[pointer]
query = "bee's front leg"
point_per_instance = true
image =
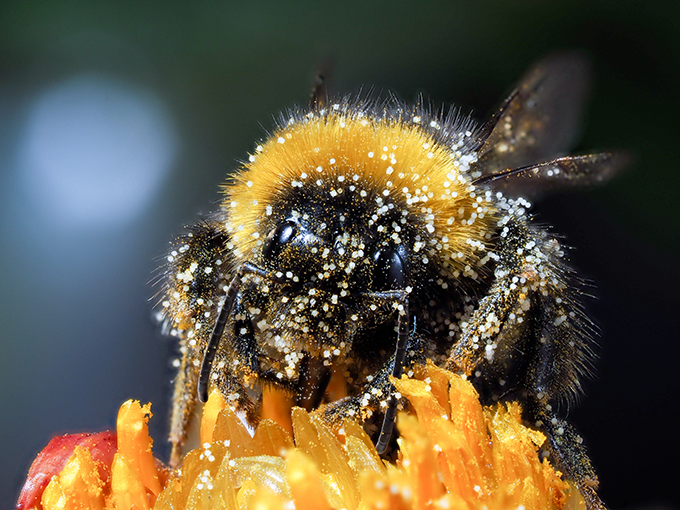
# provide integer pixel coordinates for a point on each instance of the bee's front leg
(378, 394)
(499, 319)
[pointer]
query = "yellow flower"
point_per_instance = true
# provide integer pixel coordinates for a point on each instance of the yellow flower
(454, 454)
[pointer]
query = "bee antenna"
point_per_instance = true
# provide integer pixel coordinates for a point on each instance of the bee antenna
(397, 369)
(218, 330)
(216, 336)
(319, 96)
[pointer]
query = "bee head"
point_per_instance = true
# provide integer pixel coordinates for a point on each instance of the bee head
(344, 201)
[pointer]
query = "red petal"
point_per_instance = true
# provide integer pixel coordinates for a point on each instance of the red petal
(52, 459)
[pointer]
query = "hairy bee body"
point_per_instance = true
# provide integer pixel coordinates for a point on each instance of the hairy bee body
(362, 239)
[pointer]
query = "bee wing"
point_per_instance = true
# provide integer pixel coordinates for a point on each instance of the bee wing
(539, 120)
(569, 171)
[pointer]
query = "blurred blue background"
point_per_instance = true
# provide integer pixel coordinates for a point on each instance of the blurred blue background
(119, 120)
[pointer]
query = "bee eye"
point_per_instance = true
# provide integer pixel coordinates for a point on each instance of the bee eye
(389, 270)
(277, 238)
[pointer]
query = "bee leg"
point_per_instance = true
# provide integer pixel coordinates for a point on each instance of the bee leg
(379, 394)
(183, 399)
(502, 323)
(525, 313)
(397, 370)
(484, 331)
(334, 413)
(566, 450)
(563, 445)
(216, 336)
(186, 318)
(380, 385)
(228, 373)
(238, 396)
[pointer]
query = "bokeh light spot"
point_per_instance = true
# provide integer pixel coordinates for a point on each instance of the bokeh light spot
(95, 151)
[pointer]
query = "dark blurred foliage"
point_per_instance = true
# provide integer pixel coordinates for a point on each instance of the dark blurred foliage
(77, 333)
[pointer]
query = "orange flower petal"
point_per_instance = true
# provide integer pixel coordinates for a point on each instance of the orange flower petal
(127, 488)
(134, 443)
(229, 427)
(454, 454)
(304, 479)
(78, 485)
(211, 409)
(271, 439)
(313, 437)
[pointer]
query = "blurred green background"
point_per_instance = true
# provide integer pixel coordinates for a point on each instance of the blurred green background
(119, 120)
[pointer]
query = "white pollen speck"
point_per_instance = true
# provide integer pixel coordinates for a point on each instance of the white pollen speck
(281, 139)
(560, 320)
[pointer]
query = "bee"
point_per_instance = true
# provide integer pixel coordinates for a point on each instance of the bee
(363, 238)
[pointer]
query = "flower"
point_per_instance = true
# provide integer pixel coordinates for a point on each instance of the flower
(454, 453)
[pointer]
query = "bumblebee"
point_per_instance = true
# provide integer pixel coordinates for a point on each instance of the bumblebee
(363, 238)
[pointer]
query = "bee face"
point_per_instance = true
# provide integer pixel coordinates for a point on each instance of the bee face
(342, 205)
(367, 238)
(349, 241)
